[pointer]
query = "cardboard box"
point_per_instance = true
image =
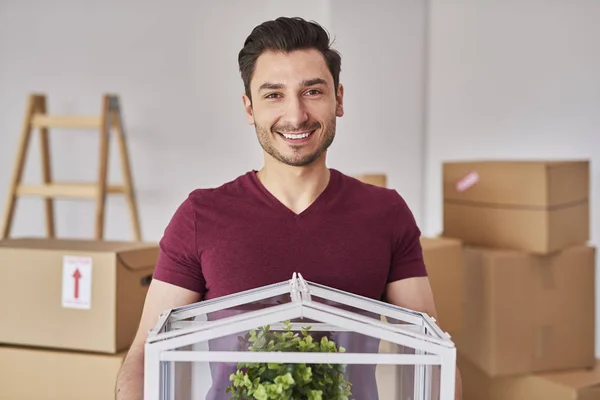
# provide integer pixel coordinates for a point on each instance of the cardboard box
(528, 313)
(535, 206)
(579, 384)
(444, 260)
(70, 294)
(27, 373)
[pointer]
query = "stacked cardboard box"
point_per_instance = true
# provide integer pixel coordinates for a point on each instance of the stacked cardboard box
(529, 276)
(70, 310)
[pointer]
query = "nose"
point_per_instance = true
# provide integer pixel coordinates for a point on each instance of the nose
(295, 112)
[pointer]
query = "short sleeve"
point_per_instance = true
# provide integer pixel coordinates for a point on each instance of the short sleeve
(407, 256)
(178, 261)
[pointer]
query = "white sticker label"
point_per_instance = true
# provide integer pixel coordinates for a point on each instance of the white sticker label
(467, 181)
(77, 282)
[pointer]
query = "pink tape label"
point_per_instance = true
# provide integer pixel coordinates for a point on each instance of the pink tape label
(467, 181)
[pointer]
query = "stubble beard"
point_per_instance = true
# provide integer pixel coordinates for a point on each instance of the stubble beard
(296, 159)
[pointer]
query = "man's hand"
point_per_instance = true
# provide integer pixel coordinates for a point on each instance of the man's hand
(415, 294)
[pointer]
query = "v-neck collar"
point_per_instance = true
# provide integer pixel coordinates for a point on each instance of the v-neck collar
(317, 204)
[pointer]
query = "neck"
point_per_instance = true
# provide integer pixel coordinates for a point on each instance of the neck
(295, 187)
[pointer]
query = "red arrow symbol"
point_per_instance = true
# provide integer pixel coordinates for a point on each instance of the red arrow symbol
(77, 276)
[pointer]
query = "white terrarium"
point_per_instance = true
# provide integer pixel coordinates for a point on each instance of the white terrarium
(297, 340)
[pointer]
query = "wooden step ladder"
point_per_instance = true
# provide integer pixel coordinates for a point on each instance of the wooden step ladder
(36, 116)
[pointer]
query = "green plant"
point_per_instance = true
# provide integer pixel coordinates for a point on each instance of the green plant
(293, 381)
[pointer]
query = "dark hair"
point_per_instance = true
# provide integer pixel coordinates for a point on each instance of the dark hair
(287, 34)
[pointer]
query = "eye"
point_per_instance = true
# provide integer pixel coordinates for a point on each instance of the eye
(272, 96)
(313, 92)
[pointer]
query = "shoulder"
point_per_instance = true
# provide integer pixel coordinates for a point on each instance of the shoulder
(378, 204)
(223, 194)
(205, 207)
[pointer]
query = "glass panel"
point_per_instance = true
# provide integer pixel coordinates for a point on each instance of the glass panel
(196, 318)
(351, 342)
(417, 328)
(199, 314)
(396, 382)
(362, 302)
(214, 381)
(209, 379)
(412, 327)
(434, 382)
(255, 296)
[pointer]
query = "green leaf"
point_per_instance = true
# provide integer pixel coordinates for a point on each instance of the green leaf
(315, 395)
(286, 380)
(260, 393)
(280, 381)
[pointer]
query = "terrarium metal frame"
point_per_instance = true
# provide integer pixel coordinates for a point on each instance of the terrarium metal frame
(432, 346)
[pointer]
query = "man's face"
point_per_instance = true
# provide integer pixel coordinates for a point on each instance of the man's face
(294, 105)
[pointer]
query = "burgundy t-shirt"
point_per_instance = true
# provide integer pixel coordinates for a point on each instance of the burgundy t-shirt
(354, 237)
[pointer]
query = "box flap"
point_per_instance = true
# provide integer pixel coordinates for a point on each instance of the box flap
(73, 244)
(139, 259)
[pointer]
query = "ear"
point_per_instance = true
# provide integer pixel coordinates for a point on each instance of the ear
(248, 108)
(339, 99)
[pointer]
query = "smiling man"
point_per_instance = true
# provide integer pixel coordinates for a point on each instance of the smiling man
(295, 214)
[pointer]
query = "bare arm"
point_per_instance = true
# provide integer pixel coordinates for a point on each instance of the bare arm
(416, 294)
(161, 296)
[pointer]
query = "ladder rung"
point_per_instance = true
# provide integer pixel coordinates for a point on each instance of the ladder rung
(72, 190)
(64, 121)
(115, 189)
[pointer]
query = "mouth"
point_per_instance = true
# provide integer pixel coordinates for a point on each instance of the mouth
(296, 136)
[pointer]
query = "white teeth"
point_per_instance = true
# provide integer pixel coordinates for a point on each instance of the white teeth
(296, 136)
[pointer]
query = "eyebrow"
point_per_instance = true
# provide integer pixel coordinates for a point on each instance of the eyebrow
(305, 83)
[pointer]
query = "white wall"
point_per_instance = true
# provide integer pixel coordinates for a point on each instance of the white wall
(383, 49)
(512, 79)
(175, 68)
